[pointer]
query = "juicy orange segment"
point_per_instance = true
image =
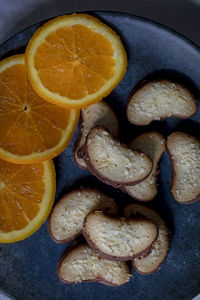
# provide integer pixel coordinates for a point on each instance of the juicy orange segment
(75, 60)
(26, 197)
(31, 129)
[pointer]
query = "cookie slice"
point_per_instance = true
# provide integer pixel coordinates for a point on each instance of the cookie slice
(112, 162)
(152, 144)
(80, 263)
(66, 219)
(184, 152)
(98, 114)
(159, 99)
(151, 261)
(119, 238)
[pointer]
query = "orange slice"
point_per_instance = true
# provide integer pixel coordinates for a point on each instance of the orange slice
(26, 197)
(75, 60)
(31, 129)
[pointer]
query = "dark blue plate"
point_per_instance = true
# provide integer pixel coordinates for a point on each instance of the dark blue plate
(28, 268)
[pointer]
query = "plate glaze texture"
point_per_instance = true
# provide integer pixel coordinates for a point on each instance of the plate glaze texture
(28, 268)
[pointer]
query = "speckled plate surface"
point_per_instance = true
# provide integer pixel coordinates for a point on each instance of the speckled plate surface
(28, 268)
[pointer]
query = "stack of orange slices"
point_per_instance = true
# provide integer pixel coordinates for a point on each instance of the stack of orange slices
(70, 62)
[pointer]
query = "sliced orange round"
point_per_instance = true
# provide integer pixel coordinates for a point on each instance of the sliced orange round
(31, 129)
(26, 197)
(75, 60)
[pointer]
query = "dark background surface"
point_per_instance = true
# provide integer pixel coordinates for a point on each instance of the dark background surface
(181, 15)
(28, 268)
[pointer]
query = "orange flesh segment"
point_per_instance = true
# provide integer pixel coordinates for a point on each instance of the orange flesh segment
(28, 123)
(14, 79)
(75, 61)
(20, 202)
